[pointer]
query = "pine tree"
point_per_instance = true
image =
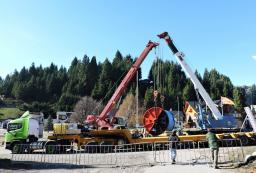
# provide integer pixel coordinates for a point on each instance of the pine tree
(92, 75)
(239, 98)
(252, 95)
(1, 85)
(227, 87)
(189, 93)
(149, 98)
(49, 124)
(67, 102)
(104, 84)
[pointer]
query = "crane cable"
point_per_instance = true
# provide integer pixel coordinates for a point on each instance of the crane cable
(157, 76)
(162, 86)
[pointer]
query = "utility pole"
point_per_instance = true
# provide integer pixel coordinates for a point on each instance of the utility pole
(137, 100)
(178, 101)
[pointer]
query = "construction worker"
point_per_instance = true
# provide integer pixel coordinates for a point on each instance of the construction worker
(213, 144)
(173, 146)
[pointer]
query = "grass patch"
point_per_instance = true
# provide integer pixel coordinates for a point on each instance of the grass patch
(6, 113)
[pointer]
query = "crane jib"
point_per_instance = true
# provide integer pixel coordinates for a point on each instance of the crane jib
(180, 56)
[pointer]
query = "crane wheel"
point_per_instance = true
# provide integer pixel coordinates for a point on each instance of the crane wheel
(64, 145)
(244, 140)
(91, 147)
(17, 148)
(121, 141)
(144, 147)
(106, 147)
(121, 147)
(51, 147)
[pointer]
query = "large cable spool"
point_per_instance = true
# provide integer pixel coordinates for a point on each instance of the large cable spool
(157, 120)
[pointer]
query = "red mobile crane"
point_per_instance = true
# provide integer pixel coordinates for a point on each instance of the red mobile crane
(102, 136)
(101, 120)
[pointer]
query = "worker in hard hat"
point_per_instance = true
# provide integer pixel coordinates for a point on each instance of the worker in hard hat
(213, 144)
(173, 146)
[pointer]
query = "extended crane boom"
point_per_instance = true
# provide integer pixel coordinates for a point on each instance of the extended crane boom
(198, 86)
(101, 119)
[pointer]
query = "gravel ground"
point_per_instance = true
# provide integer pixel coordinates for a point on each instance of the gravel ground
(133, 157)
(153, 169)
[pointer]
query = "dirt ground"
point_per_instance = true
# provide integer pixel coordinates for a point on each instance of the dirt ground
(153, 169)
(138, 169)
(144, 169)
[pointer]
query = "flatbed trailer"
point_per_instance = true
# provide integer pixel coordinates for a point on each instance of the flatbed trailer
(124, 136)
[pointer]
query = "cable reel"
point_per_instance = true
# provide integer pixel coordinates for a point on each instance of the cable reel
(157, 120)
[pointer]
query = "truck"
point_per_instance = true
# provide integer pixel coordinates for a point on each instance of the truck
(26, 129)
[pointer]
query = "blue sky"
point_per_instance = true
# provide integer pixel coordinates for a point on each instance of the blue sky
(212, 34)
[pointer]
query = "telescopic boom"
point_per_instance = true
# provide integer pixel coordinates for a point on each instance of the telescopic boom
(101, 119)
(198, 86)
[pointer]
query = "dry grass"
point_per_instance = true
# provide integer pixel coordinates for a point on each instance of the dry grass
(6, 113)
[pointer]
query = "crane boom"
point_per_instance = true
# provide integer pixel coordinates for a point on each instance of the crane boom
(198, 86)
(101, 120)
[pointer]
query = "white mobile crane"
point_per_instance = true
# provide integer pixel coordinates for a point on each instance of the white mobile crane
(217, 120)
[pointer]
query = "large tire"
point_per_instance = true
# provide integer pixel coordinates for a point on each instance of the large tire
(91, 147)
(106, 147)
(145, 147)
(121, 147)
(17, 148)
(51, 148)
(64, 145)
(244, 140)
(121, 141)
(226, 143)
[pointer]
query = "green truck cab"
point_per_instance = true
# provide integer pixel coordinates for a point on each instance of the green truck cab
(24, 130)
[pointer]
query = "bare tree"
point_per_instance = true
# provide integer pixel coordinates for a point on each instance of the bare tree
(128, 110)
(85, 106)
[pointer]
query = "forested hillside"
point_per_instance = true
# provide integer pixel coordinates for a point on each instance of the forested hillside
(53, 88)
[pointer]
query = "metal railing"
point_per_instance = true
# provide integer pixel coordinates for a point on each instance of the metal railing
(187, 153)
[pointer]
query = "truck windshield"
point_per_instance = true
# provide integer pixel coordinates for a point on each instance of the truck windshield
(14, 126)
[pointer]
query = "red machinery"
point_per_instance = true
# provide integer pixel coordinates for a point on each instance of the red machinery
(157, 120)
(101, 120)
